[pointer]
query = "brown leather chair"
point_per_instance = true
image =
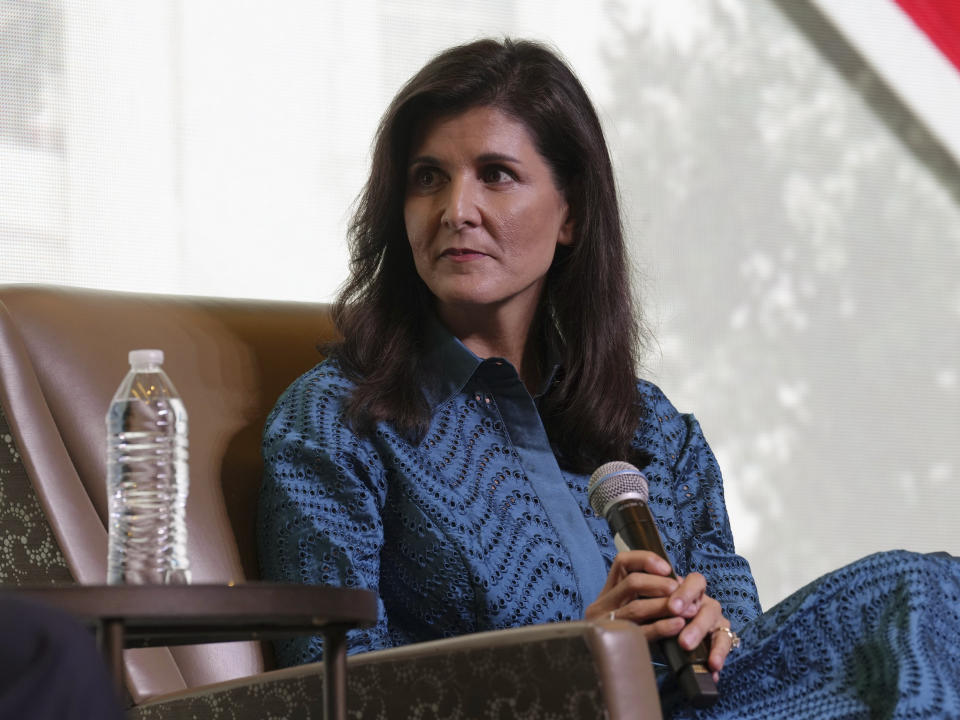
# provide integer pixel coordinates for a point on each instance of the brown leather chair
(63, 351)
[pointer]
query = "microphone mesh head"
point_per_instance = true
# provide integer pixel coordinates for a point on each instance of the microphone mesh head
(614, 481)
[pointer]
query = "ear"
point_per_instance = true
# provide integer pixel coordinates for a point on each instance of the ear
(565, 236)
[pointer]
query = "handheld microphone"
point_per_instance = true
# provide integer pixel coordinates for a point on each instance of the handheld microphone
(619, 492)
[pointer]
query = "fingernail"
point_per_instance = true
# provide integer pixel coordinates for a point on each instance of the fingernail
(676, 605)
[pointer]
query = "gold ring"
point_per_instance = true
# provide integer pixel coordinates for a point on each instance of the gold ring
(734, 638)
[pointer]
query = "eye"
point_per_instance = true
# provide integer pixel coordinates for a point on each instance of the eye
(425, 177)
(496, 174)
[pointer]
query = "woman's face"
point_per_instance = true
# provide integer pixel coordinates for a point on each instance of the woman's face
(482, 212)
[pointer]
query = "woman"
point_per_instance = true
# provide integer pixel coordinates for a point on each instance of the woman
(440, 456)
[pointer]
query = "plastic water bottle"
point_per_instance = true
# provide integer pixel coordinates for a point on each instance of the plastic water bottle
(147, 477)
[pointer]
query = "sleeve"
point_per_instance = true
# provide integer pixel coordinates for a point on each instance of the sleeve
(319, 515)
(705, 541)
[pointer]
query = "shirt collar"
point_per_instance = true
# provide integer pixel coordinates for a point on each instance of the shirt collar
(449, 364)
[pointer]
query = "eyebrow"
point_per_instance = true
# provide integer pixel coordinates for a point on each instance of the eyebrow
(484, 158)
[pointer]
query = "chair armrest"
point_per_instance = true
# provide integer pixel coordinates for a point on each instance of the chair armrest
(580, 669)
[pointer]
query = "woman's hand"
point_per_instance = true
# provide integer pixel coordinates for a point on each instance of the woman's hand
(639, 588)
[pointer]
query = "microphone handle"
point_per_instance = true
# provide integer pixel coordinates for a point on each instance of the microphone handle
(634, 529)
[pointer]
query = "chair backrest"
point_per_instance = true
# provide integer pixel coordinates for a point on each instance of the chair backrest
(63, 352)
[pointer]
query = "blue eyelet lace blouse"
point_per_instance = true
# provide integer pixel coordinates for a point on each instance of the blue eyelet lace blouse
(478, 528)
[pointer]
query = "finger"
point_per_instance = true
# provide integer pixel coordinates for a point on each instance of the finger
(721, 643)
(642, 585)
(709, 617)
(719, 649)
(689, 611)
(665, 628)
(599, 609)
(647, 610)
(636, 561)
(629, 588)
(634, 587)
(688, 593)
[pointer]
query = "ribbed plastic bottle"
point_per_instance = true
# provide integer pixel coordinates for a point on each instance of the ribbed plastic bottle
(147, 477)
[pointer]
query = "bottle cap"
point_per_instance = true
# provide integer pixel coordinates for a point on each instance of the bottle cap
(145, 358)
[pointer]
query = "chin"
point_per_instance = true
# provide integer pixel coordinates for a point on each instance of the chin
(465, 297)
(463, 302)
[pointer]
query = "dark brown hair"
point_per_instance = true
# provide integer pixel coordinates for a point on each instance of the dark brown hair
(587, 308)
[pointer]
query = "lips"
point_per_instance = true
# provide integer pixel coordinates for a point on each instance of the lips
(462, 254)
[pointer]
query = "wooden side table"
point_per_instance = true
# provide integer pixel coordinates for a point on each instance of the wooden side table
(127, 616)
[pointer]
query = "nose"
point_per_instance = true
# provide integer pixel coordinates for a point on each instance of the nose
(461, 209)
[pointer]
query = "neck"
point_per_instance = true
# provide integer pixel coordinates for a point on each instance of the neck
(498, 334)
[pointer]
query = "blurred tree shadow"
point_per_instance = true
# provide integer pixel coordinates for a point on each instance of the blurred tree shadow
(810, 266)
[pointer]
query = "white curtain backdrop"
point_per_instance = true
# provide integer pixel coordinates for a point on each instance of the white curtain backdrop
(797, 258)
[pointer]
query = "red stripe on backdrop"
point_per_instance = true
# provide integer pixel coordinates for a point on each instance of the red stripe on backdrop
(940, 20)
